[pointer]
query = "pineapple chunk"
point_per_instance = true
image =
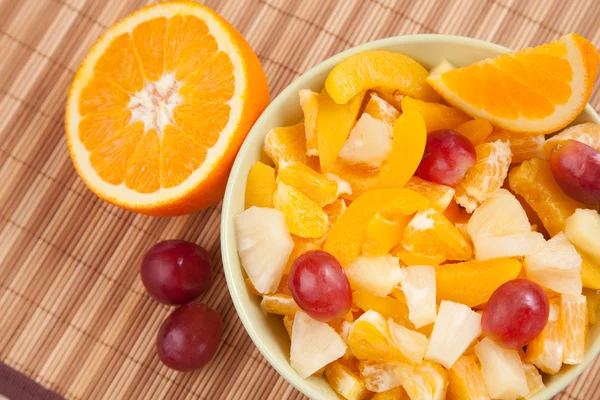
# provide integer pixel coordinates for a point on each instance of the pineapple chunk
(502, 371)
(465, 380)
(378, 275)
(455, 328)
(427, 381)
(282, 304)
(369, 143)
(583, 230)
(345, 382)
(380, 109)
(556, 266)
(499, 215)
(572, 323)
(314, 345)
(379, 377)
(419, 288)
(545, 351)
(534, 379)
(443, 66)
(264, 245)
(412, 344)
(521, 244)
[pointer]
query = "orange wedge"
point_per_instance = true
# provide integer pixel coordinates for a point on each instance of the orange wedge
(260, 186)
(536, 90)
(160, 106)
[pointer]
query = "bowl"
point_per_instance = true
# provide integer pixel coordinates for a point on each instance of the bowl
(267, 331)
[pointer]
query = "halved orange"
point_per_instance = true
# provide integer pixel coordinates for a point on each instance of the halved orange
(160, 106)
(536, 90)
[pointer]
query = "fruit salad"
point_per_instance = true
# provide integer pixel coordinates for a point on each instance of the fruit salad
(433, 234)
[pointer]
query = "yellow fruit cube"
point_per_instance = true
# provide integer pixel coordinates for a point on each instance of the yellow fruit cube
(260, 186)
(345, 382)
(465, 380)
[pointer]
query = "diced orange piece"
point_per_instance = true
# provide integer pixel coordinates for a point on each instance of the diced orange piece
(408, 145)
(573, 326)
(287, 143)
(533, 180)
(429, 233)
(260, 186)
(436, 116)
(388, 307)
(465, 380)
(281, 304)
(476, 130)
(383, 234)
(481, 278)
(545, 351)
(304, 218)
(440, 196)
(312, 184)
(486, 176)
(301, 246)
(347, 236)
(334, 123)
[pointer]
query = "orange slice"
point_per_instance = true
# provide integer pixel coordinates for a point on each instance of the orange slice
(429, 233)
(313, 185)
(465, 380)
(286, 144)
(260, 186)
(545, 351)
(522, 147)
(309, 101)
(347, 236)
(436, 116)
(440, 196)
(374, 69)
(573, 326)
(537, 90)
(486, 176)
(160, 106)
(281, 304)
(304, 218)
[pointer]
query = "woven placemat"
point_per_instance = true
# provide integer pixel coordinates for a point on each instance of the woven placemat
(73, 313)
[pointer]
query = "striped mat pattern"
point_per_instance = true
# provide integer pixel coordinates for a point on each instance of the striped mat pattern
(73, 313)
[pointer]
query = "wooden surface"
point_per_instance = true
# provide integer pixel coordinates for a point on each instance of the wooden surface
(73, 312)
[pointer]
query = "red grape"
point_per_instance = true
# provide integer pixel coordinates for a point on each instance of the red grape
(448, 156)
(576, 168)
(515, 313)
(189, 337)
(176, 271)
(320, 286)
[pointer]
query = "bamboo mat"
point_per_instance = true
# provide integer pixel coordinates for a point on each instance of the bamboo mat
(73, 313)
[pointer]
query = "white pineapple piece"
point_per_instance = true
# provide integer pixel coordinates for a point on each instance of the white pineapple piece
(379, 377)
(499, 215)
(520, 244)
(369, 143)
(411, 343)
(455, 328)
(419, 288)
(502, 371)
(314, 345)
(442, 67)
(377, 275)
(264, 245)
(556, 266)
(583, 230)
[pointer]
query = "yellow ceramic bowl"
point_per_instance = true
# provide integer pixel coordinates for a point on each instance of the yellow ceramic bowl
(268, 332)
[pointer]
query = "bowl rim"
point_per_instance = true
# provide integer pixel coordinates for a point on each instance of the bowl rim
(228, 251)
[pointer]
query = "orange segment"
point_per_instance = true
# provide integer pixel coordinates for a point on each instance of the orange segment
(260, 186)
(486, 176)
(286, 143)
(304, 218)
(380, 109)
(346, 382)
(587, 133)
(408, 146)
(427, 381)
(313, 185)
(429, 233)
(410, 258)
(523, 147)
(476, 130)
(348, 234)
(481, 277)
(545, 351)
(537, 90)
(440, 196)
(533, 180)
(465, 380)
(309, 101)
(383, 234)
(573, 326)
(436, 116)
(334, 123)
(160, 106)
(374, 69)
